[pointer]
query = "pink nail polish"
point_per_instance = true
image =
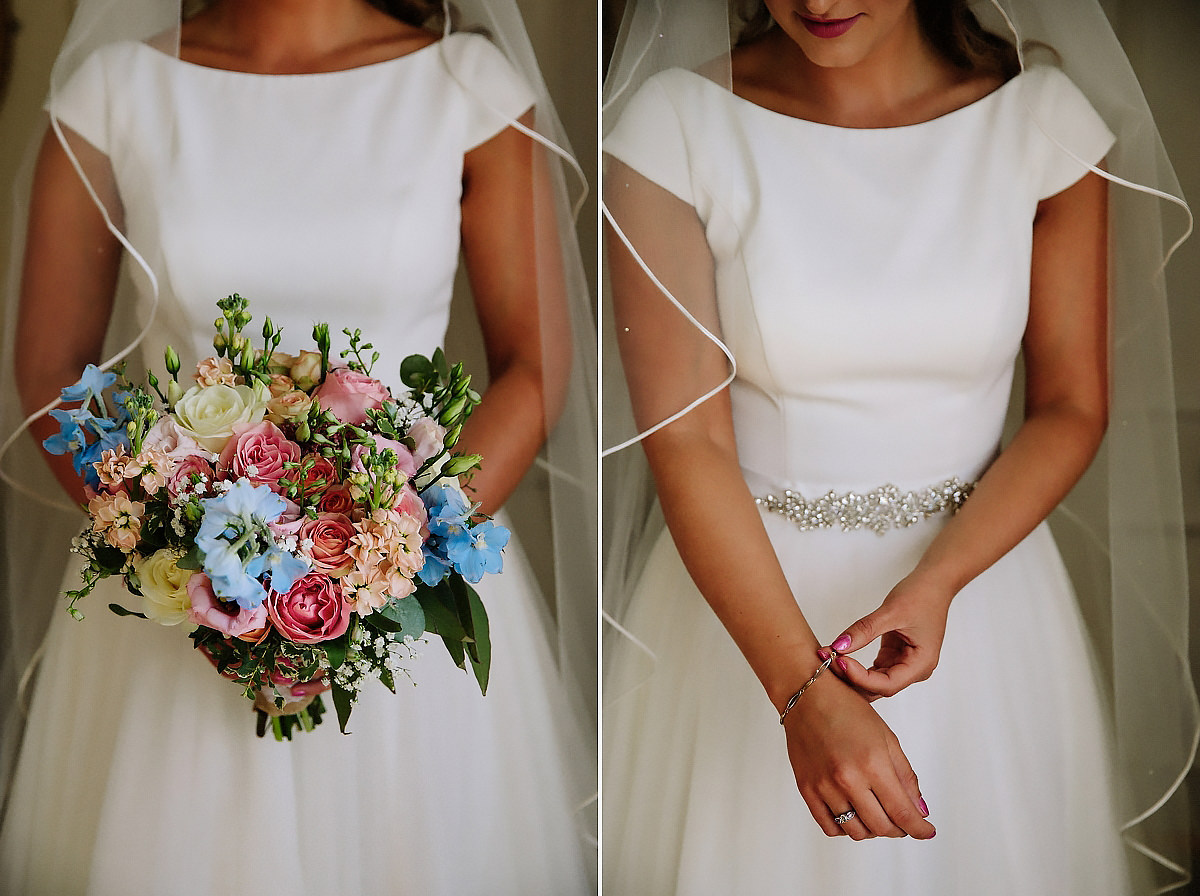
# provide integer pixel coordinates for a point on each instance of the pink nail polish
(823, 654)
(841, 643)
(842, 664)
(924, 808)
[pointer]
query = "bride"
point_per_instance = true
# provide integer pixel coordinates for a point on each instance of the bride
(326, 160)
(830, 242)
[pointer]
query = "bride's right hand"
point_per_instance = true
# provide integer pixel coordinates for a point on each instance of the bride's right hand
(845, 757)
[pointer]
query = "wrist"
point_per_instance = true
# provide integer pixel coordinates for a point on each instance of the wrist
(803, 671)
(934, 584)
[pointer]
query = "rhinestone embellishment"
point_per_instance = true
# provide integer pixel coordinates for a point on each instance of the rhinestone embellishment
(880, 509)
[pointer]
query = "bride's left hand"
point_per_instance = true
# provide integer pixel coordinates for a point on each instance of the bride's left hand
(910, 623)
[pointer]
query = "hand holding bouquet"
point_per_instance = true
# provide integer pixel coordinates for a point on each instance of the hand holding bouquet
(301, 521)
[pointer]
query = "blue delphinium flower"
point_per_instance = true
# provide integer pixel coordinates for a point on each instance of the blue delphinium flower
(476, 551)
(470, 550)
(75, 424)
(239, 549)
(90, 386)
(71, 437)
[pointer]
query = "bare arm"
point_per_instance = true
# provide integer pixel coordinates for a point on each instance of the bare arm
(513, 258)
(68, 279)
(1066, 412)
(841, 752)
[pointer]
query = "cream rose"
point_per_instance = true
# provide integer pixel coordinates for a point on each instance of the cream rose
(164, 589)
(209, 413)
(306, 371)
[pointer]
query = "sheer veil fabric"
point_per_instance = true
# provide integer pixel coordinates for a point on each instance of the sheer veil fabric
(1121, 528)
(39, 520)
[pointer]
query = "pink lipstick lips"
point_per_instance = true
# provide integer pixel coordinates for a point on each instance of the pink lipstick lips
(828, 28)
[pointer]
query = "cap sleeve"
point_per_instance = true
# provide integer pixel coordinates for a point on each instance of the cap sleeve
(81, 104)
(1069, 134)
(649, 136)
(499, 94)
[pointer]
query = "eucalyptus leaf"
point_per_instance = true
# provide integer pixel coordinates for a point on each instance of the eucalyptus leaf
(193, 559)
(407, 613)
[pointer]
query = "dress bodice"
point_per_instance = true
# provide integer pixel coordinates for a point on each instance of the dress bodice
(320, 197)
(872, 284)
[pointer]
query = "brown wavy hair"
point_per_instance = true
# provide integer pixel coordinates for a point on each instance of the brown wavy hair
(949, 25)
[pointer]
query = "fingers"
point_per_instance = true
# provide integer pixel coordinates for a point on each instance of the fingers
(879, 681)
(862, 632)
(895, 793)
(907, 777)
(821, 814)
(310, 688)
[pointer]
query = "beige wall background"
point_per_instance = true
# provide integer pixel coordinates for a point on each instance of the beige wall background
(1161, 38)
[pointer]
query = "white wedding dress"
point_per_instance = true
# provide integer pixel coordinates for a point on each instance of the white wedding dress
(873, 286)
(324, 197)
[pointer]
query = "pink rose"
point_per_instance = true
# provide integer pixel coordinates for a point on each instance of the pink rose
(313, 610)
(319, 477)
(348, 395)
(290, 521)
(170, 438)
(225, 617)
(330, 535)
(405, 462)
(188, 466)
(337, 499)
(409, 503)
(257, 451)
(427, 435)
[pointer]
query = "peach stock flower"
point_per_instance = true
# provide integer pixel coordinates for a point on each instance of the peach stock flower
(215, 372)
(118, 518)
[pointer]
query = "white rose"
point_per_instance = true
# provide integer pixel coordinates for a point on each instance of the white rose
(164, 589)
(209, 413)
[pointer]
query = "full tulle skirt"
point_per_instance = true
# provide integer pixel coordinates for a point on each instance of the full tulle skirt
(140, 773)
(1008, 739)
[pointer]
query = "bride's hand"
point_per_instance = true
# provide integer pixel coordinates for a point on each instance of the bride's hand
(911, 624)
(305, 691)
(845, 757)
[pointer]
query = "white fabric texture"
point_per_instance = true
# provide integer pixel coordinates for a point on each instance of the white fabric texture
(876, 316)
(140, 772)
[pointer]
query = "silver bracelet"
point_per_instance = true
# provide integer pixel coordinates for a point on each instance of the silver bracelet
(804, 687)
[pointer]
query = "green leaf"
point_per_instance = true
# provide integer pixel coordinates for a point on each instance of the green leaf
(385, 678)
(121, 611)
(341, 703)
(441, 616)
(480, 649)
(110, 560)
(336, 649)
(456, 650)
(416, 372)
(399, 617)
(191, 560)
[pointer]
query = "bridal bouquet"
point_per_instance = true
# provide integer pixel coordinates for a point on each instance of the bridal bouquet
(305, 524)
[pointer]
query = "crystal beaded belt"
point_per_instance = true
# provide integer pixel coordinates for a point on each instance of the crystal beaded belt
(880, 509)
